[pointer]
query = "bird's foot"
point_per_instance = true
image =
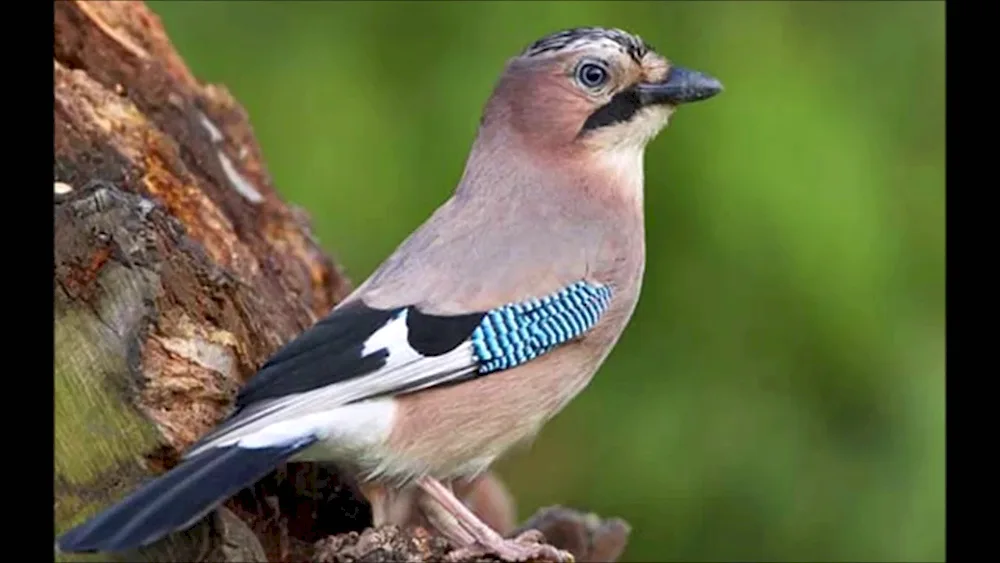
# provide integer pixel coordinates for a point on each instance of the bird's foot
(525, 548)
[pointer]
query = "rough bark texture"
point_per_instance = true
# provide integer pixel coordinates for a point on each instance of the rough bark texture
(178, 271)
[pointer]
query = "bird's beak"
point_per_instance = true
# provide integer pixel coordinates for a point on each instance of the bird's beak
(681, 86)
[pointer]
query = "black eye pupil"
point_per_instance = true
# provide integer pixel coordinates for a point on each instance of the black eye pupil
(592, 75)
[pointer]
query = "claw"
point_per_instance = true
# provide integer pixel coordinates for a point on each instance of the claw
(522, 549)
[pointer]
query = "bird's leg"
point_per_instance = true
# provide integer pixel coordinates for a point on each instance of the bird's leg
(444, 522)
(395, 507)
(378, 498)
(388, 506)
(488, 499)
(489, 540)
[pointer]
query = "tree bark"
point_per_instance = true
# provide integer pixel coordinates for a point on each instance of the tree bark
(178, 271)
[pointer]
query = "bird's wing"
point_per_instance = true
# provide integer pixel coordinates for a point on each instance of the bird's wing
(359, 352)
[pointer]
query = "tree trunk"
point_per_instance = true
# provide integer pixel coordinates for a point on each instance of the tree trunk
(178, 271)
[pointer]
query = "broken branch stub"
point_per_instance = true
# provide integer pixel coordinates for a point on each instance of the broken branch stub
(178, 271)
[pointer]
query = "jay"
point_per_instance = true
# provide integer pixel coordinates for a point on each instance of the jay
(480, 327)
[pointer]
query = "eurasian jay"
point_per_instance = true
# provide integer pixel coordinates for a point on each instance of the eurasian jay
(480, 327)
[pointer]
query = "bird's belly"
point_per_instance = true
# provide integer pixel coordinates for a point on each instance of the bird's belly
(460, 430)
(451, 431)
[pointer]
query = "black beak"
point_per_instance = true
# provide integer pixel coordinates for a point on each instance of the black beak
(681, 86)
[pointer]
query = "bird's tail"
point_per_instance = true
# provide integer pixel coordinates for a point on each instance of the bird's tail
(177, 499)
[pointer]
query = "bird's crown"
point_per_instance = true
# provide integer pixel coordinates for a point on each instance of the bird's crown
(573, 38)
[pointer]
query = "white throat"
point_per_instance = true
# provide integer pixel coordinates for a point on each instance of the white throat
(624, 164)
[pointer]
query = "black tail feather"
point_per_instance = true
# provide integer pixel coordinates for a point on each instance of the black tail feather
(177, 499)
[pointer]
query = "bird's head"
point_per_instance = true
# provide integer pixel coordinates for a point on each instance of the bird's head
(591, 89)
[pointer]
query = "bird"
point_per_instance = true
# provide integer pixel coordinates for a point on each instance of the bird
(481, 325)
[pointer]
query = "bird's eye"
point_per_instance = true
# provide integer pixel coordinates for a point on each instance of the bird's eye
(591, 75)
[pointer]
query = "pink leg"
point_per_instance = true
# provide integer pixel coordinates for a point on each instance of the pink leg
(389, 506)
(444, 522)
(487, 538)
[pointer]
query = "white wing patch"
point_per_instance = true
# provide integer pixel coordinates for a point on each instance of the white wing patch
(394, 337)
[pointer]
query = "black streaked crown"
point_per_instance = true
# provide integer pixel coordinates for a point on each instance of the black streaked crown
(632, 45)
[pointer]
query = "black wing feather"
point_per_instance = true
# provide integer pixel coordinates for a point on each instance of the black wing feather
(433, 335)
(331, 350)
(328, 352)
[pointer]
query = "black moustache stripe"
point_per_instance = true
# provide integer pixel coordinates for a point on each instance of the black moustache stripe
(621, 108)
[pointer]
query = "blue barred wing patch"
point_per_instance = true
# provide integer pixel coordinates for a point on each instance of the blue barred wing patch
(519, 332)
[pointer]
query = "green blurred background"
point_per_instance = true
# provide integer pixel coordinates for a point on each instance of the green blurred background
(780, 392)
